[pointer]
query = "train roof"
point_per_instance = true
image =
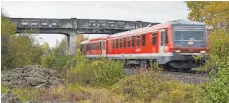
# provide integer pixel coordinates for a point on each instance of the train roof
(85, 41)
(146, 29)
(186, 22)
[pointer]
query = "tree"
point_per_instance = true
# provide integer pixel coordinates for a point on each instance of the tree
(61, 48)
(7, 29)
(18, 50)
(79, 39)
(214, 13)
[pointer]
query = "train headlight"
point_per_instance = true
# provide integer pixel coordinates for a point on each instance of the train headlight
(178, 51)
(202, 51)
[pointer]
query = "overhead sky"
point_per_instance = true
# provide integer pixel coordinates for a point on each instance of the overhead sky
(149, 11)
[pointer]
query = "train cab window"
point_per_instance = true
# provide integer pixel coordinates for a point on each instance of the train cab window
(138, 40)
(124, 45)
(116, 43)
(166, 37)
(128, 40)
(143, 39)
(120, 43)
(133, 41)
(113, 44)
(154, 39)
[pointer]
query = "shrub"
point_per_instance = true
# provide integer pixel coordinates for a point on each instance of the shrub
(150, 87)
(3, 89)
(217, 89)
(72, 93)
(60, 62)
(100, 72)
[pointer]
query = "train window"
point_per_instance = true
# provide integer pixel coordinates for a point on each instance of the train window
(120, 41)
(128, 42)
(100, 44)
(124, 42)
(143, 39)
(116, 43)
(113, 44)
(162, 37)
(133, 41)
(103, 48)
(154, 38)
(138, 40)
(92, 46)
(166, 37)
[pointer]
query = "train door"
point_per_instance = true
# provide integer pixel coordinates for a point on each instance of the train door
(103, 48)
(162, 41)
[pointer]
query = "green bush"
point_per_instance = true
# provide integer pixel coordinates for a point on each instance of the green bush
(60, 62)
(100, 72)
(216, 89)
(3, 89)
(150, 87)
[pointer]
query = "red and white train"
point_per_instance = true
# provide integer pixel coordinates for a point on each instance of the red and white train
(172, 44)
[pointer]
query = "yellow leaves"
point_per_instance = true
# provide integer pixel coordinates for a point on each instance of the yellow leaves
(213, 13)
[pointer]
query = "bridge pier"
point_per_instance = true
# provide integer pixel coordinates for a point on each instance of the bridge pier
(72, 44)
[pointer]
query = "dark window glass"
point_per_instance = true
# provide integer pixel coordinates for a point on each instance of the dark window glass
(138, 40)
(154, 38)
(162, 37)
(104, 43)
(124, 42)
(166, 37)
(128, 42)
(143, 39)
(120, 41)
(133, 41)
(117, 43)
(113, 44)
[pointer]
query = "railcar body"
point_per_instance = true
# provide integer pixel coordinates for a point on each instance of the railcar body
(173, 45)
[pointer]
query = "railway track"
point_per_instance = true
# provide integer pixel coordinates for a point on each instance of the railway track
(192, 77)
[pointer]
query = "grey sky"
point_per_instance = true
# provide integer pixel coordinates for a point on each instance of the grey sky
(150, 11)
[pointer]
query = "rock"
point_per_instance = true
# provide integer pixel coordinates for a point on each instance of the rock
(31, 76)
(32, 102)
(9, 98)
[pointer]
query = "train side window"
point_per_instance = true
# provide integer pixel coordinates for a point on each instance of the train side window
(166, 37)
(104, 44)
(116, 43)
(162, 37)
(154, 39)
(113, 44)
(133, 41)
(120, 41)
(128, 41)
(124, 42)
(138, 40)
(143, 39)
(98, 45)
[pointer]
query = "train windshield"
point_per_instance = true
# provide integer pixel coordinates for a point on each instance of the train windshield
(189, 38)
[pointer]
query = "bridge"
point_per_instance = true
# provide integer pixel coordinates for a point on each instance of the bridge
(73, 26)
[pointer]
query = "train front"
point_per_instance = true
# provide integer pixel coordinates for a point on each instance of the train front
(190, 45)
